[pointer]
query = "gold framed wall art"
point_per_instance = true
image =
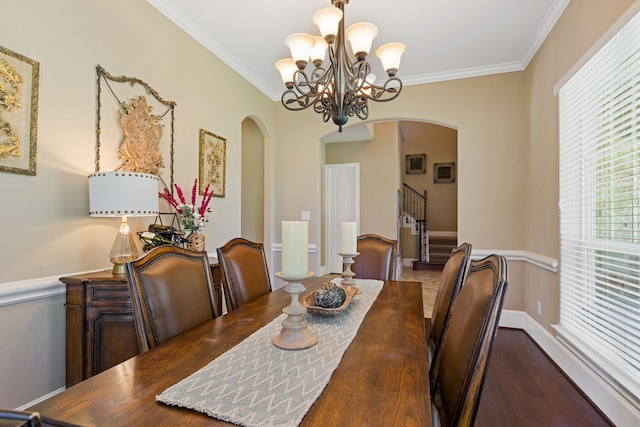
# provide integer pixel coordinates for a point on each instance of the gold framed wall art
(19, 80)
(134, 127)
(213, 159)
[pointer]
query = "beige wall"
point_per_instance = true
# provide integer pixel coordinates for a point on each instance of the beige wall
(47, 229)
(580, 26)
(378, 177)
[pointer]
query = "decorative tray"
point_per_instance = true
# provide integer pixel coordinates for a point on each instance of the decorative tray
(309, 303)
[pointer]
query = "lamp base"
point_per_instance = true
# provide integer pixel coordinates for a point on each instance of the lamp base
(123, 250)
(119, 269)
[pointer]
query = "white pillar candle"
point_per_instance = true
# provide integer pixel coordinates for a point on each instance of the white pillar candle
(349, 238)
(295, 243)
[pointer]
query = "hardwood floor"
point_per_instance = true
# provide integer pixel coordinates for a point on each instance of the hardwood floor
(523, 388)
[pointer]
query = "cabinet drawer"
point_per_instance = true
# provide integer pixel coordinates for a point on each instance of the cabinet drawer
(108, 295)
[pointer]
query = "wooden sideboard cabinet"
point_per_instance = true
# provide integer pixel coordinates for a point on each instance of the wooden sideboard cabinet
(99, 321)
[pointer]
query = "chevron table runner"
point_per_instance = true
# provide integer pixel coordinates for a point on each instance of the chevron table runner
(258, 384)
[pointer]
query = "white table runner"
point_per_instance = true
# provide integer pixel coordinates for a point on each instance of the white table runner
(258, 384)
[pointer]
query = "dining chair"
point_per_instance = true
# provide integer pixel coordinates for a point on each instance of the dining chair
(376, 259)
(29, 419)
(451, 279)
(171, 292)
(467, 342)
(244, 271)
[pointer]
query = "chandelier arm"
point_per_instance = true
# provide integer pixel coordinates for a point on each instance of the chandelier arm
(389, 91)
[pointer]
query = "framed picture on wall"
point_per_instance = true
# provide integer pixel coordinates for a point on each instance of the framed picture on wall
(19, 77)
(416, 164)
(134, 127)
(444, 173)
(213, 153)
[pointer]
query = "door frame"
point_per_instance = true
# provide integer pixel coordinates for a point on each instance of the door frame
(331, 200)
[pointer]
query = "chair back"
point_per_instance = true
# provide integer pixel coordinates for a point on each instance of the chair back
(29, 419)
(467, 343)
(171, 292)
(244, 271)
(376, 259)
(451, 280)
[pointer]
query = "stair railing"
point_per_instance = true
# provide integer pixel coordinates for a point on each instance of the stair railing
(414, 204)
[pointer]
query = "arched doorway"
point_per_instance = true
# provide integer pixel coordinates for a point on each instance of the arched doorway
(383, 150)
(252, 182)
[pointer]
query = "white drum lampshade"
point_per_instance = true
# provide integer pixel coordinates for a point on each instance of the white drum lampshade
(122, 194)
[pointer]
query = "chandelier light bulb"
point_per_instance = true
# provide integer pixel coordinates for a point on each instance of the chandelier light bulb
(300, 45)
(327, 20)
(390, 55)
(361, 36)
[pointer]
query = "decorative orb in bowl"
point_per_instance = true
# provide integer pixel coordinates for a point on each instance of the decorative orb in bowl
(309, 301)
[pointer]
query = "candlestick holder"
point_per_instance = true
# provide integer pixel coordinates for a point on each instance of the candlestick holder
(347, 274)
(295, 334)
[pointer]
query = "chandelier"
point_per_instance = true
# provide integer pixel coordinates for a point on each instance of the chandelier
(343, 87)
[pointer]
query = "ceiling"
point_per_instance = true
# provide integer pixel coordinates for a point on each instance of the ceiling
(445, 39)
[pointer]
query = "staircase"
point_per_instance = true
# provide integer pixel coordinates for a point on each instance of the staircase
(433, 248)
(440, 248)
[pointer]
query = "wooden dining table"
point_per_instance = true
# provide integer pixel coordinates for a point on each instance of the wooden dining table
(382, 379)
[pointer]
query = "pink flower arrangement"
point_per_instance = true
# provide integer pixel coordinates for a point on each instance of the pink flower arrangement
(191, 218)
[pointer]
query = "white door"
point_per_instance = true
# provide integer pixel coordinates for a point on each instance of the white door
(342, 192)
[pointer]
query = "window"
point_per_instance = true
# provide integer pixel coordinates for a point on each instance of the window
(600, 211)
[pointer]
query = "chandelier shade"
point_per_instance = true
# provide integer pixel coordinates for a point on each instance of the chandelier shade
(361, 37)
(390, 55)
(341, 87)
(328, 20)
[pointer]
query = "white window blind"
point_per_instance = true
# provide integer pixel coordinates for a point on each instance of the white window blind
(600, 211)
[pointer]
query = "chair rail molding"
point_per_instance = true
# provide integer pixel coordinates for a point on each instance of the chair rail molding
(547, 263)
(277, 247)
(30, 289)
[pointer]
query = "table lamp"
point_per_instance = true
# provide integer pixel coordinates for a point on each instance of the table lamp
(122, 194)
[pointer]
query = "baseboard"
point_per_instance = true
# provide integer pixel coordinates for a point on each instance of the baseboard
(513, 319)
(40, 399)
